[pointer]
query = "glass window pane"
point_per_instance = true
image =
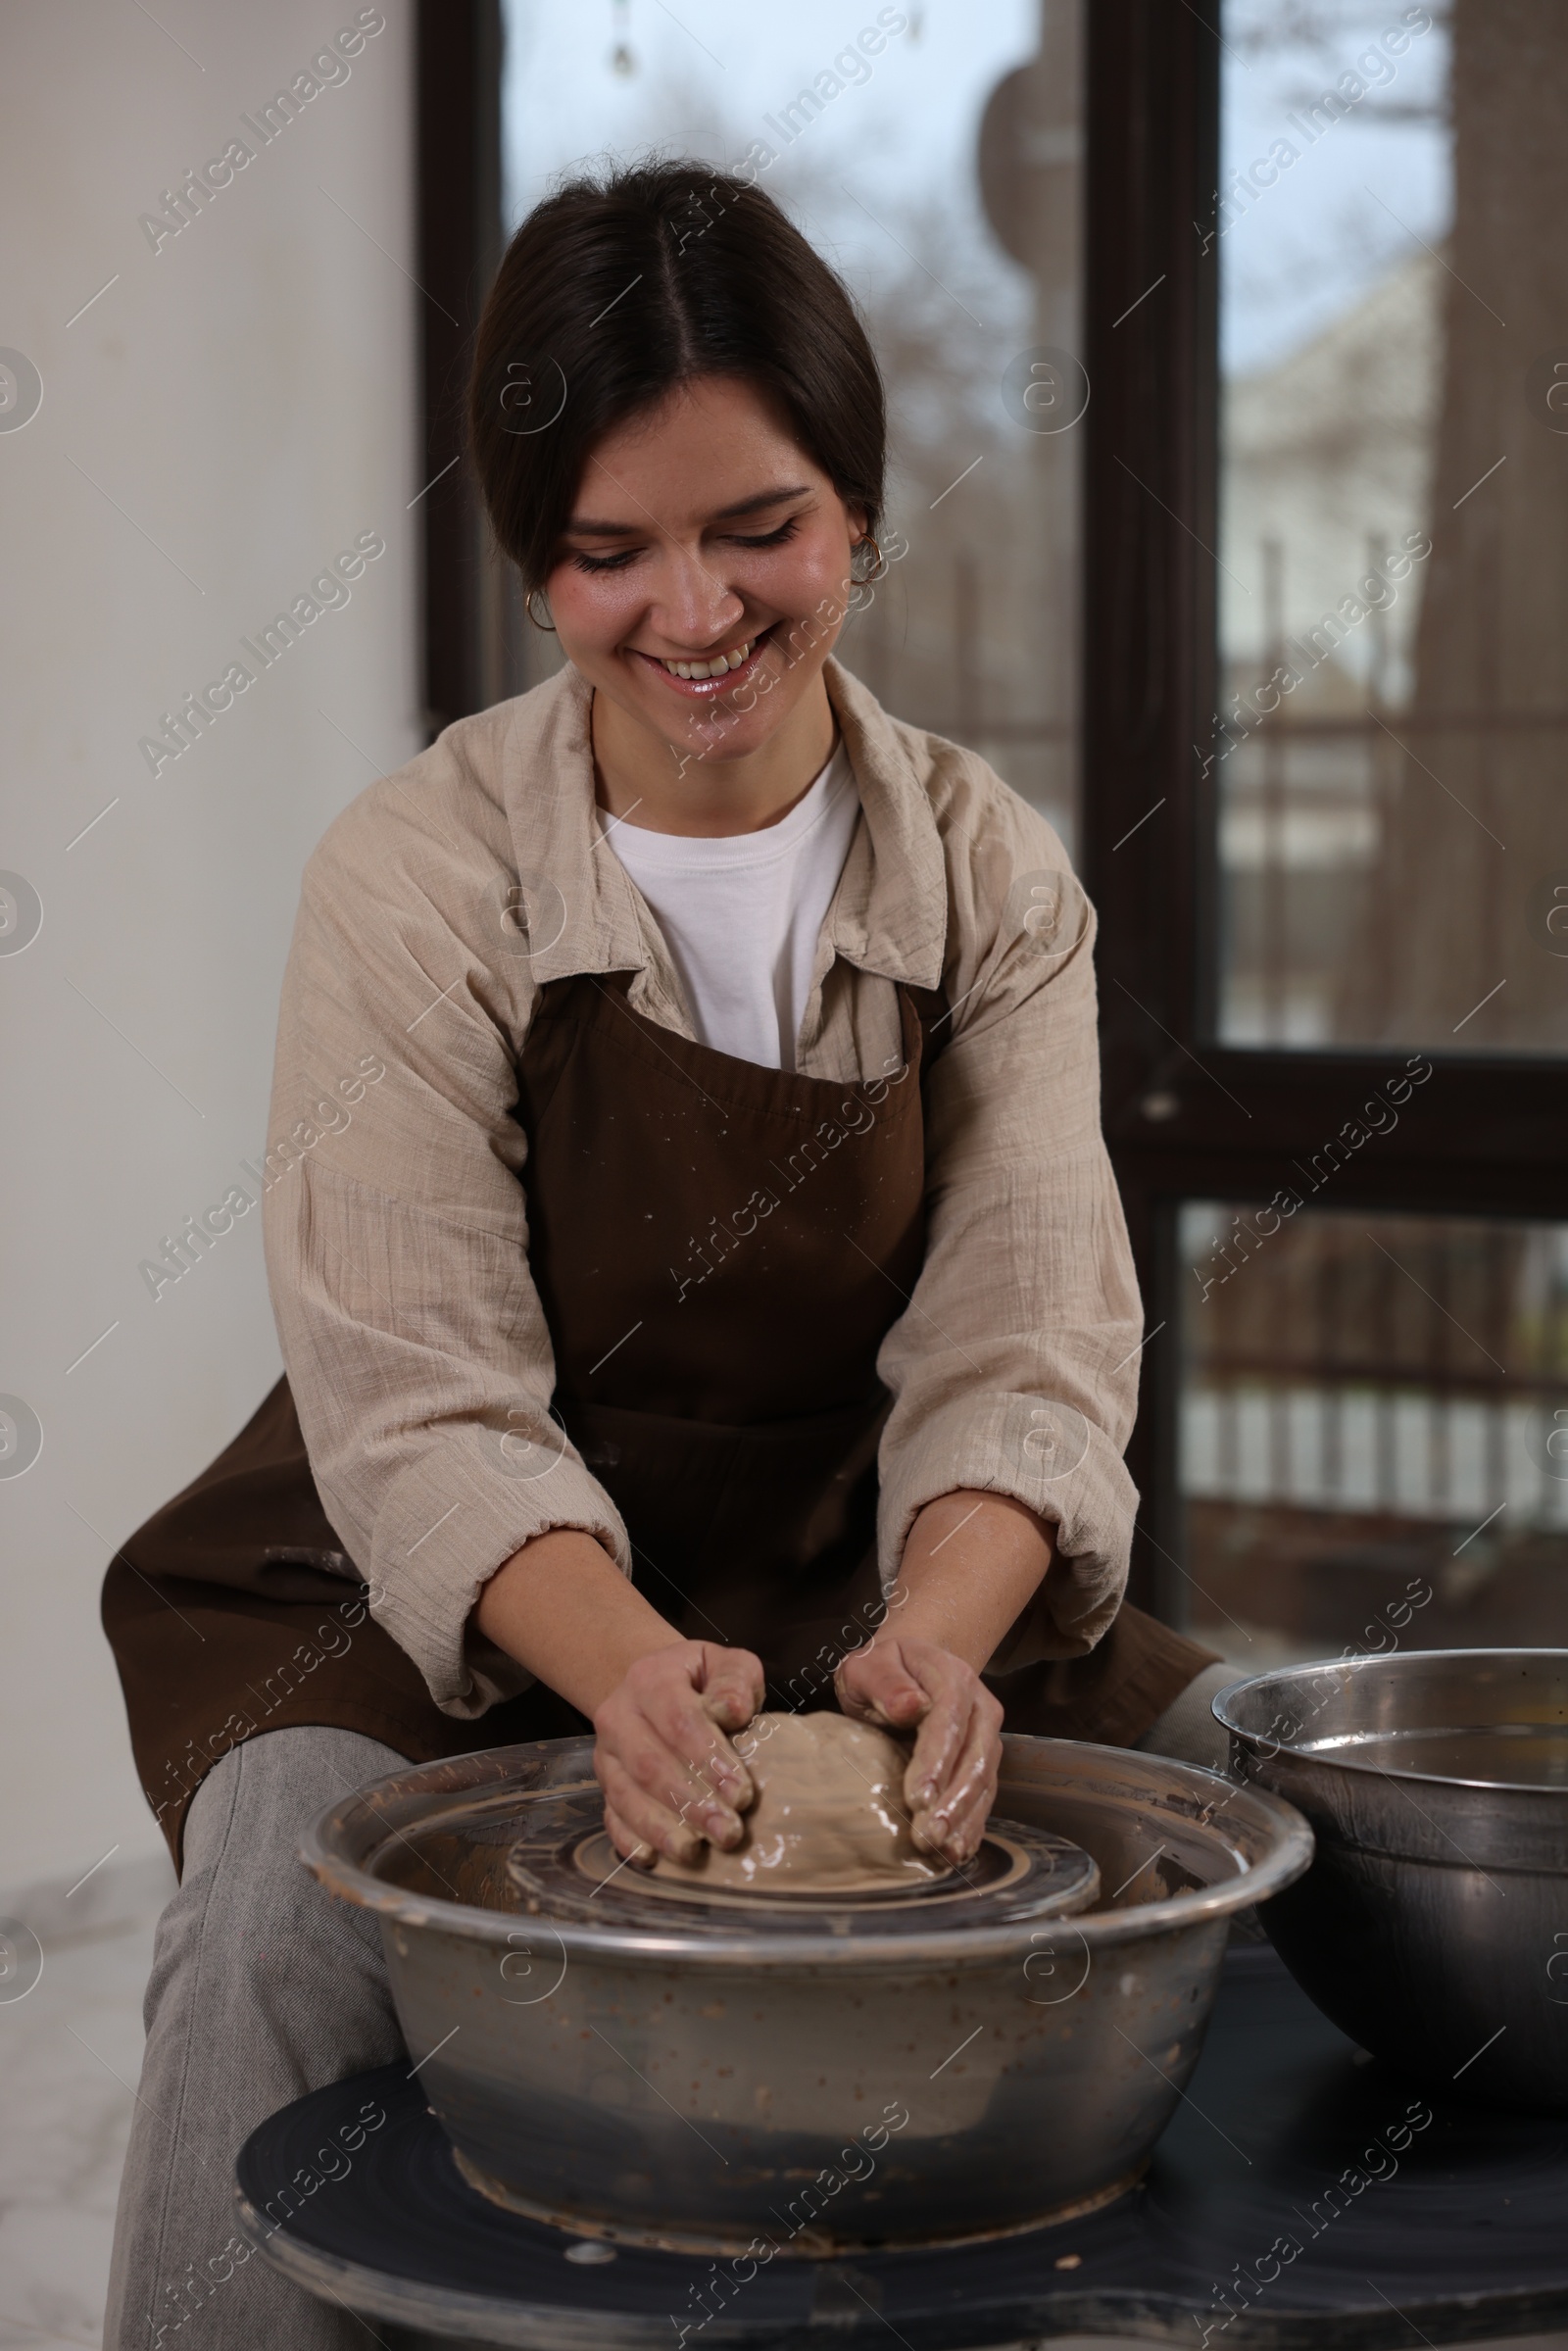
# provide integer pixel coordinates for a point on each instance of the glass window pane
(1374, 1430)
(1389, 750)
(932, 155)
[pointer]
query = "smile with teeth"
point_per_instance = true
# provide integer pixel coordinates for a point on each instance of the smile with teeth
(719, 666)
(716, 674)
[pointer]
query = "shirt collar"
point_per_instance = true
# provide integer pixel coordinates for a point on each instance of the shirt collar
(889, 912)
(578, 903)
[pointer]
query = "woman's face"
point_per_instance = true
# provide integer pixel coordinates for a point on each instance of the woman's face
(701, 536)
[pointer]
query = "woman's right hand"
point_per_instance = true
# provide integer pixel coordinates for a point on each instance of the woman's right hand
(670, 1777)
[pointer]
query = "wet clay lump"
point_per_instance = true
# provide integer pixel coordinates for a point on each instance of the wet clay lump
(830, 1815)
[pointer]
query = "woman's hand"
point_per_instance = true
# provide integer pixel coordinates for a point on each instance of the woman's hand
(659, 1705)
(951, 1784)
(670, 1775)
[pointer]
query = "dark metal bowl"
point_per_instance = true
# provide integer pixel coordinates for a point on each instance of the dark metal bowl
(1433, 1925)
(922, 2072)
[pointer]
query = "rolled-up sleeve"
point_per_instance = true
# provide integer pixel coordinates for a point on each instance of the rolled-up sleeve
(396, 1226)
(1014, 1369)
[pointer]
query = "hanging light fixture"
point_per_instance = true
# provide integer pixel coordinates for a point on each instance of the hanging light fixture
(621, 59)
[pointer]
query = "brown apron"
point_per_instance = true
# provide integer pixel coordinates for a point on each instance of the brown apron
(720, 1250)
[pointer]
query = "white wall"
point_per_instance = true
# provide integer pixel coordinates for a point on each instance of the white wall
(227, 417)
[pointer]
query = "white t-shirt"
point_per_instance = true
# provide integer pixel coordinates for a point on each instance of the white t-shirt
(741, 913)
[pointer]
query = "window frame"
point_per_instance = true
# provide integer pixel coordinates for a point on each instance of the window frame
(457, 61)
(1187, 1118)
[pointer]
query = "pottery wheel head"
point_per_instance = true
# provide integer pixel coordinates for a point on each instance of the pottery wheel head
(830, 1815)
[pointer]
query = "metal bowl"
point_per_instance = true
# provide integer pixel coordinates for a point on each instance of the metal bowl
(923, 2071)
(1433, 1925)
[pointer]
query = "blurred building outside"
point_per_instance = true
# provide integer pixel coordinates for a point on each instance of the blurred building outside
(1372, 1399)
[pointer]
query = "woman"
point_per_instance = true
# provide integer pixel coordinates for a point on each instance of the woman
(695, 1256)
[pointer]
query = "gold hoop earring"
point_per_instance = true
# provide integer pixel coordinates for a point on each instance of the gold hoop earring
(879, 561)
(548, 626)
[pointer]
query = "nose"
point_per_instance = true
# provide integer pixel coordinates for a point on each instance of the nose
(692, 606)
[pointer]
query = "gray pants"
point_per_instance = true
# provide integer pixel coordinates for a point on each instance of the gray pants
(263, 1988)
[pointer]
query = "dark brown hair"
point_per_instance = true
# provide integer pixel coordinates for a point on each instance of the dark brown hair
(618, 289)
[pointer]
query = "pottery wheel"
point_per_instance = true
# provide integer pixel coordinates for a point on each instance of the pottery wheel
(564, 1866)
(829, 1829)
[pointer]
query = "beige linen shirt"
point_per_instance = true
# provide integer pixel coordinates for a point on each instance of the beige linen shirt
(397, 1241)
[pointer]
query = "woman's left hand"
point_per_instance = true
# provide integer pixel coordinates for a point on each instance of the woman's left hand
(951, 1784)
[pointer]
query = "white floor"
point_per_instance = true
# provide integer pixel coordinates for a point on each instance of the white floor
(69, 2056)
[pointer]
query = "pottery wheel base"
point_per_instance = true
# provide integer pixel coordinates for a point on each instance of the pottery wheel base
(1467, 2240)
(730, 2248)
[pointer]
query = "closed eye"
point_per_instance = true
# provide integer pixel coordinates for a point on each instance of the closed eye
(626, 554)
(774, 538)
(604, 562)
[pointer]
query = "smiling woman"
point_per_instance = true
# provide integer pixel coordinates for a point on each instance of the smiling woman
(723, 1298)
(703, 498)
(613, 296)
(702, 634)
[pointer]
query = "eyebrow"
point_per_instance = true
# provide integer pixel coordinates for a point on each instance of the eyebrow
(581, 526)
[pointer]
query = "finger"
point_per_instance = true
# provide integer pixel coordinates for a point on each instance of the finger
(956, 1822)
(950, 1685)
(939, 1684)
(643, 1814)
(660, 1693)
(731, 1682)
(640, 1813)
(733, 1691)
(875, 1684)
(627, 1841)
(631, 1744)
(960, 1826)
(713, 1783)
